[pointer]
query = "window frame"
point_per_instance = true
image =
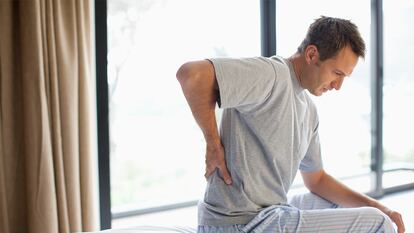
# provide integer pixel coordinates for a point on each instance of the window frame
(268, 48)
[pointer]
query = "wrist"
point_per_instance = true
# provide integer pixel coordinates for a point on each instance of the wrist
(212, 139)
(213, 143)
(378, 205)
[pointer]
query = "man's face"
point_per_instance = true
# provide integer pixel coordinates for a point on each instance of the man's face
(329, 74)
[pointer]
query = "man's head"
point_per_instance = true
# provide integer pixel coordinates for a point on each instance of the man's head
(330, 35)
(330, 50)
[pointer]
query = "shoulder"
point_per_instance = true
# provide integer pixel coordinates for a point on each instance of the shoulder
(280, 65)
(249, 68)
(245, 62)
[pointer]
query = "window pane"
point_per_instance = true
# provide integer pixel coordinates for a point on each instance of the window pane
(398, 92)
(157, 149)
(345, 115)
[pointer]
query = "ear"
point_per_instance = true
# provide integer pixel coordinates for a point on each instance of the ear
(311, 54)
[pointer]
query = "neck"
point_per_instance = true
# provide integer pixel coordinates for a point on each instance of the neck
(297, 60)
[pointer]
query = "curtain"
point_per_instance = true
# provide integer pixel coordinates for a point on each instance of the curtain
(46, 165)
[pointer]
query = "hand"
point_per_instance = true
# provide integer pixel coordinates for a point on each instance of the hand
(215, 159)
(397, 219)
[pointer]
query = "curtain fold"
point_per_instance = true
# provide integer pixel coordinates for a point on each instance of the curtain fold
(46, 169)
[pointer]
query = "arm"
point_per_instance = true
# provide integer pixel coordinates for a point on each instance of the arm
(200, 89)
(331, 189)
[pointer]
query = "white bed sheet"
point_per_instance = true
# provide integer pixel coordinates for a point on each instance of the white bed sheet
(149, 229)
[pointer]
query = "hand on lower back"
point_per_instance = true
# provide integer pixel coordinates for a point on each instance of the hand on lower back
(215, 159)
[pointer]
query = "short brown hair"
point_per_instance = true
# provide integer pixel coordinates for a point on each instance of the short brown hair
(330, 35)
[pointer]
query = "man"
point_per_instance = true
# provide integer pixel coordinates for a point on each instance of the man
(269, 130)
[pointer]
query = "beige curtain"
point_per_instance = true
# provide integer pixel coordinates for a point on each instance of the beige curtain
(46, 182)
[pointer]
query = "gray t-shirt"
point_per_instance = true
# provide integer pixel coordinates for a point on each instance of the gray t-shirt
(269, 130)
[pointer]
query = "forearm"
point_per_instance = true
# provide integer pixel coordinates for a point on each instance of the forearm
(333, 190)
(200, 89)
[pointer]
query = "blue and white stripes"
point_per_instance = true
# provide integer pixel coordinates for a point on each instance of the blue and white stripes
(309, 213)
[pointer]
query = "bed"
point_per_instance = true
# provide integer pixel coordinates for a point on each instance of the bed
(150, 229)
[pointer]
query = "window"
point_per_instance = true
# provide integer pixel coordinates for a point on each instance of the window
(156, 148)
(153, 166)
(398, 93)
(345, 115)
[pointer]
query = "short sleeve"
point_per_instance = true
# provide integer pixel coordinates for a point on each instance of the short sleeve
(243, 81)
(313, 159)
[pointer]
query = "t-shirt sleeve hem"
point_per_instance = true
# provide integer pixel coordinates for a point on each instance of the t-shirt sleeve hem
(221, 99)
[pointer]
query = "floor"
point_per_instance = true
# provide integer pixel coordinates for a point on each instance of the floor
(402, 202)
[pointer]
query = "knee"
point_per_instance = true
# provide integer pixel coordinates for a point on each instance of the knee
(380, 221)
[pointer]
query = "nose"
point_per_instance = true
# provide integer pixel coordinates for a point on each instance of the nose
(337, 83)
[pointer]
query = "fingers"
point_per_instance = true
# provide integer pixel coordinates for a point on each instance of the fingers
(397, 219)
(401, 229)
(215, 159)
(209, 171)
(225, 173)
(400, 224)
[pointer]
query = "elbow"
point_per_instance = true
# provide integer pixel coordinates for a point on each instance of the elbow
(197, 75)
(184, 73)
(189, 75)
(311, 187)
(314, 180)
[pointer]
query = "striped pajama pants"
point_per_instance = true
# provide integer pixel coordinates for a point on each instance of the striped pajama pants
(309, 213)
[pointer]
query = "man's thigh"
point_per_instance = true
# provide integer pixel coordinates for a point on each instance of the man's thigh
(221, 229)
(291, 219)
(310, 201)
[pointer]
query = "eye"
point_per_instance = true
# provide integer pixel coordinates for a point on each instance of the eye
(339, 74)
